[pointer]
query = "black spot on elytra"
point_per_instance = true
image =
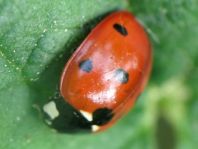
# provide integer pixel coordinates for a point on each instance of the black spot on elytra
(102, 116)
(86, 65)
(121, 29)
(121, 75)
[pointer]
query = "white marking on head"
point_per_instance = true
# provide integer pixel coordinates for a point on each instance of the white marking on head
(95, 128)
(87, 115)
(51, 110)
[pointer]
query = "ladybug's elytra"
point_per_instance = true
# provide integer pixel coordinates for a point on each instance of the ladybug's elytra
(106, 74)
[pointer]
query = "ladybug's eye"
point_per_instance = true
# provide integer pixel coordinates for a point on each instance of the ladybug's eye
(102, 116)
(121, 29)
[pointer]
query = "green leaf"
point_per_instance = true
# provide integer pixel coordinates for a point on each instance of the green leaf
(172, 95)
(37, 38)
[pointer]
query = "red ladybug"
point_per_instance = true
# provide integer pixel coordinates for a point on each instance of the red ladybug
(109, 70)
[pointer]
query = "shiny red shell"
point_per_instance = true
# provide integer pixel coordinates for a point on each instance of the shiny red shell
(110, 68)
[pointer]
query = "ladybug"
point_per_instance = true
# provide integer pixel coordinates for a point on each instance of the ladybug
(105, 75)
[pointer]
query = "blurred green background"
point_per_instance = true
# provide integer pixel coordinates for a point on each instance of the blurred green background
(36, 38)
